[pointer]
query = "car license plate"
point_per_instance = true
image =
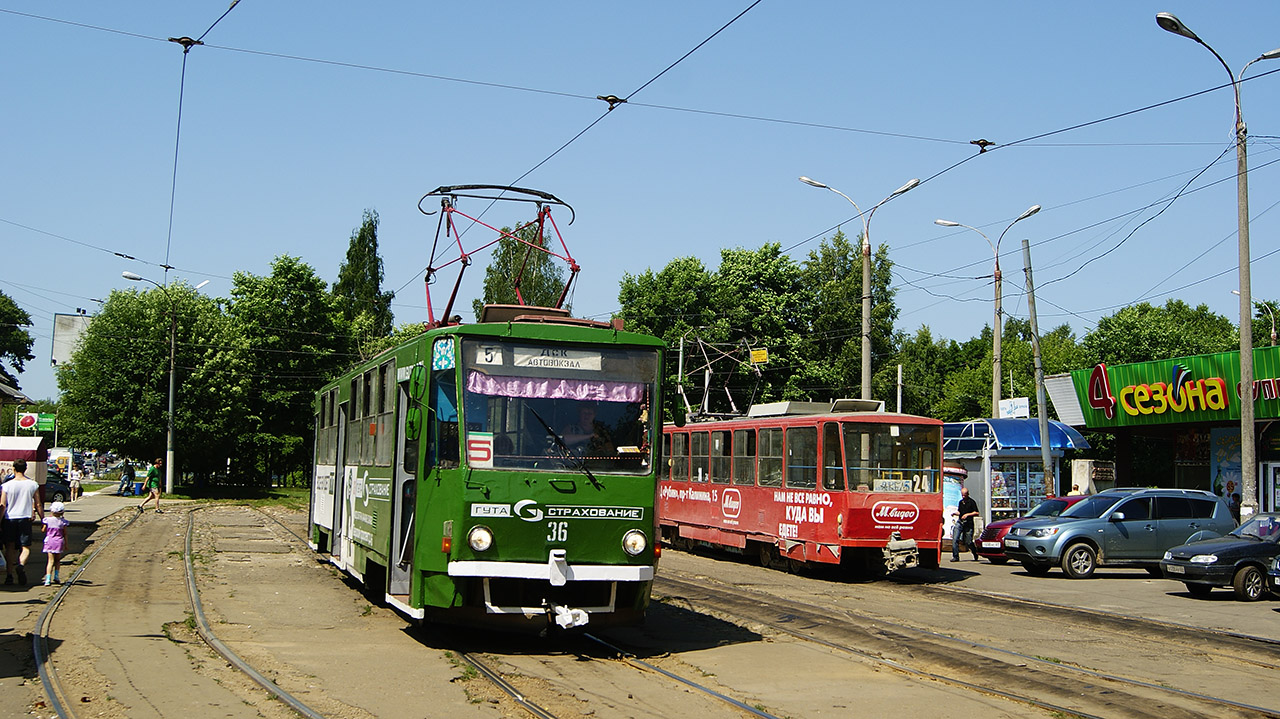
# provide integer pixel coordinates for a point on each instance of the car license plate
(1175, 569)
(990, 545)
(1010, 542)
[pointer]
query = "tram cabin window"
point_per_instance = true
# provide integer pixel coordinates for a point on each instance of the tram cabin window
(744, 456)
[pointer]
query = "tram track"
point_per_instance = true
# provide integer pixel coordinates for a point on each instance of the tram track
(497, 672)
(1049, 684)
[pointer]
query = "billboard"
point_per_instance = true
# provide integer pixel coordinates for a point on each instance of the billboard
(66, 335)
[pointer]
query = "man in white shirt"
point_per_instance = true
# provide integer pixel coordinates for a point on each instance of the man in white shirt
(18, 504)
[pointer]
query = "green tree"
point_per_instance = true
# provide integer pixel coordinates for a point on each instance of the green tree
(290, 340)
(833, 350)
(541, 276)
(1143, 332)
(364, 306)
(115, 388)
(15, 342)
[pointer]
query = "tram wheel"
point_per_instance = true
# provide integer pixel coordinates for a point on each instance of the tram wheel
(796, 566)
(768, 556)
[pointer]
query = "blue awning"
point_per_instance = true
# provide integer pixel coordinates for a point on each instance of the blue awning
(976, 435)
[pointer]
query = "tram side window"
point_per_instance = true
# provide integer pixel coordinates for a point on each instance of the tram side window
(386, 412)
(698, 465)
(832, 460)
(744, 456)
(857, 448)
(354, 435)
(771, 457)
(802, 457)
(680, 456)
(666, 452)
(721, 456)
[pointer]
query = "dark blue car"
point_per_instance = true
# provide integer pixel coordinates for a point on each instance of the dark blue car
(1239, 560)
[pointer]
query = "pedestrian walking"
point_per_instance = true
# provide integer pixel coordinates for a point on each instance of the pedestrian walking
(963, 532)
(55, 542)
(18, 503)
(73, 483)
(127, 477)
(153, 486)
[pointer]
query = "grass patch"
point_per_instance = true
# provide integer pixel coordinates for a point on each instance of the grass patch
(294, 498)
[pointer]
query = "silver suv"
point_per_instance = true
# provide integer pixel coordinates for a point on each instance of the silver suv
(1118, 528)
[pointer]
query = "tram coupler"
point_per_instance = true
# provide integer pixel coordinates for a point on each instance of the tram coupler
(567, 617)
(900, 553)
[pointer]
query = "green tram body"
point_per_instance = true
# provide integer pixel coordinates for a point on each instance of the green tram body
(457, 432)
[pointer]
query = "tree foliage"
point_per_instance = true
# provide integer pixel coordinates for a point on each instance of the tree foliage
(358, 289)
(540, 276)
(15, 342)
(290, 338)
(115, 388)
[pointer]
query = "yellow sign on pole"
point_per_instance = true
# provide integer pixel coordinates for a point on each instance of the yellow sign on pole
(759, 356)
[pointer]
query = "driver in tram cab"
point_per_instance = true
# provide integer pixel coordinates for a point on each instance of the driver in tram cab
(588, 436)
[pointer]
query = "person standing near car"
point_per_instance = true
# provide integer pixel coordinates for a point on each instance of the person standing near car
(19, 501)
(153, 486)
(963, 532)
(127, 477)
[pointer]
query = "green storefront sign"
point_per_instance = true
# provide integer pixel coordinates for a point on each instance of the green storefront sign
(1175, 391)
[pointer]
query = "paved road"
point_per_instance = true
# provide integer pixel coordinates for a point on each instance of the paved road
(20, 606)
(1131, 592)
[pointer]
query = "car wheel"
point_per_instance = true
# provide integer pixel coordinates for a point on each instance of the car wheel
(58, 497)
(1198, 590)
(1248, 584)
(1079, 561)
(998, 560)
(1036, 570)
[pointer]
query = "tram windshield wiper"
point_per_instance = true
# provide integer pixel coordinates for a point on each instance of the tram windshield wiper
(579, 463)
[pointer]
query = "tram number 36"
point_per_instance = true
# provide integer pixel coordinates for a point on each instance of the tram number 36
(559, 531)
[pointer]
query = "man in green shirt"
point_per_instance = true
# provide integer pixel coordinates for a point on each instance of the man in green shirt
(153, 483)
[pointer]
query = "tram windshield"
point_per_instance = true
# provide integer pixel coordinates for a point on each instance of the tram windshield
(892, 457)
(530, 405)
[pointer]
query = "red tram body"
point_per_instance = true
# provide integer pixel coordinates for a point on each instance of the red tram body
(808, 482)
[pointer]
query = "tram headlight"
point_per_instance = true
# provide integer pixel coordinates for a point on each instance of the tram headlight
(634, 542)
(480, 538)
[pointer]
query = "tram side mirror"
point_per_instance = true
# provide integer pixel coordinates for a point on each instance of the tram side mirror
(418, 382)
(678, 415)
(413, 424)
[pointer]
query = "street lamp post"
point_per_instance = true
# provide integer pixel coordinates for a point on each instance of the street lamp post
(1267, 307)
(998, 330)
(1248, 450)
(173, 345)
(866, 271)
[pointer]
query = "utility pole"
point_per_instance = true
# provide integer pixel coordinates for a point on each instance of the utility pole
(1046, 454)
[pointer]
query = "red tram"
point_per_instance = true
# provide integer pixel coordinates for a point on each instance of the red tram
(755, 484)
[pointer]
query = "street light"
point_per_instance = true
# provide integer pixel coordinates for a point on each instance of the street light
(1267, 306)
(173, 345)
(1248, 451)
(998, 330)
(866, 271)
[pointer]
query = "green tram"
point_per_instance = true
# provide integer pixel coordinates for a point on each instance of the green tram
(452, 473)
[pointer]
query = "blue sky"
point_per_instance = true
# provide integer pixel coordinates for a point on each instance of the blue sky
(296, 117)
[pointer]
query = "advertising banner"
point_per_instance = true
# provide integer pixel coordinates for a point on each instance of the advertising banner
(1203, 388)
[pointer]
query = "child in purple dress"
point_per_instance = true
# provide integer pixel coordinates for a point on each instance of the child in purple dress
(55, 541)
